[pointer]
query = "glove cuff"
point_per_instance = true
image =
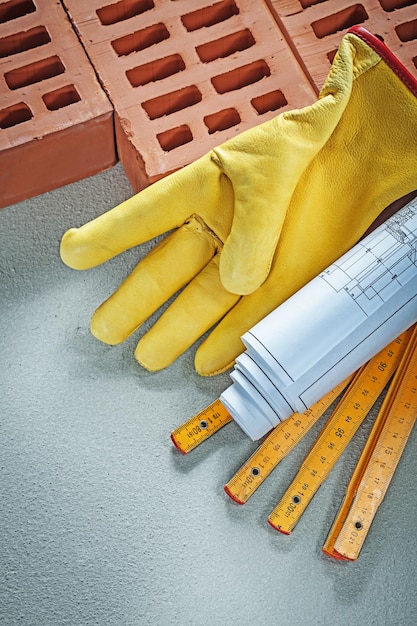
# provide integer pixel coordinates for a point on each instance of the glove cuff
(374, 42)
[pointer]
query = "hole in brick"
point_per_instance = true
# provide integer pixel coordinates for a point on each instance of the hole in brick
(331, 55)
(407, 31)
(172, 102)
(14, 9)
(60, 98)
(208, 16)
(309, 3)
(225, 46)
(391, 5)
(269, 102)
(19, 42)
(241, 77)
(156, 70)
(339, 21)
(123, 10)
(222, 120)
(175, 137)
(34, 72)
(15, 114)
(140, 40)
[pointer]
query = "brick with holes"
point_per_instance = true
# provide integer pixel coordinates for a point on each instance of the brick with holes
(56, 122)
(186, 75)
(315, 28)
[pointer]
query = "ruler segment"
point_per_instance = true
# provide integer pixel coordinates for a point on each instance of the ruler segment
(336, 434)
(378, 461)
(276, 446)
(200, 427)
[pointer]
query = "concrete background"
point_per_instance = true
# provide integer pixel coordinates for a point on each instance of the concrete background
(102, 521)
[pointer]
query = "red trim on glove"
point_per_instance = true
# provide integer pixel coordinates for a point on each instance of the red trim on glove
(387, 55)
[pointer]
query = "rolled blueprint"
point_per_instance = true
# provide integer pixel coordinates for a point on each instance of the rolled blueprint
(328, 329)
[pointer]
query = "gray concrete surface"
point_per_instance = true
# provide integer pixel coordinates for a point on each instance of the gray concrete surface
(103, 522)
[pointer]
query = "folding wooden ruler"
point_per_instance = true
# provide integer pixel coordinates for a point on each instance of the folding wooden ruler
(378, 461)
(362, 391)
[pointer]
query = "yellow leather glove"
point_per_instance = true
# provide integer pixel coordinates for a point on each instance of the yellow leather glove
(259, 216)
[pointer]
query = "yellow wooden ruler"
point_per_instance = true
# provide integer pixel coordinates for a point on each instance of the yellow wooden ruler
(338, 431)
(281, 440)
(200, 427)
(378, 461)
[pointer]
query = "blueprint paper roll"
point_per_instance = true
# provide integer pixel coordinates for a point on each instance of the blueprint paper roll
(329, 328)
(253, 372)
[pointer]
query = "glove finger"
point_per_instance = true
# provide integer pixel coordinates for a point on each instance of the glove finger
(282, 148)
(166, 269)
(202, 303)
(219, 351)
(156, 210)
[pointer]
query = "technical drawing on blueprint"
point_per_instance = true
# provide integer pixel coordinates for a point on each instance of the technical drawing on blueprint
(371, 273)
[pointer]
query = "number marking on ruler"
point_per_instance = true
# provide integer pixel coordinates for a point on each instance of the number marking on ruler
(277, 445)
(200, 427)
(336, 434)
(378, 461)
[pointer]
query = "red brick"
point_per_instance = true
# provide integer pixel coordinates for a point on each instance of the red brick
(56, 122)
(315, 28)
(185, 75)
